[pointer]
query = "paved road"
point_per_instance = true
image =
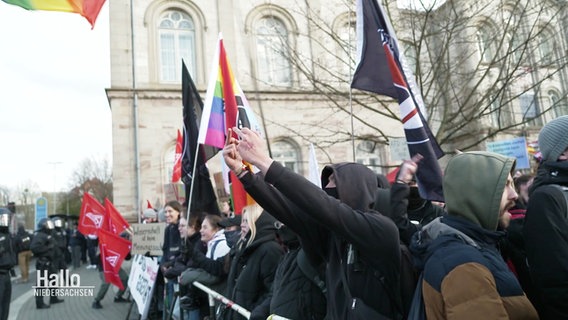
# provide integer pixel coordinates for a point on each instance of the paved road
(23, 307)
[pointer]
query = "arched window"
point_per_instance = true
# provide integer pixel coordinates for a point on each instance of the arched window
(347, 48)
(546, 44)
(558, 105)
(517, 49)
(273, 64)
(176, 32)
(287, 154)
(369, 154)
(485, 43)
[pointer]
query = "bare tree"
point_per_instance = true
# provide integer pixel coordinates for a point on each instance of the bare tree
(93, 176)
(483, 67)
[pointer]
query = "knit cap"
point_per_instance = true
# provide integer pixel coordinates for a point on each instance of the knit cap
(553, 138)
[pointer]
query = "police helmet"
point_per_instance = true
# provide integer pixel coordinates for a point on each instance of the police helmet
(4, 217)
(45, 224)
(57, 222)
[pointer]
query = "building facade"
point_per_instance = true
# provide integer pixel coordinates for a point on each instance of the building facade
(294, 60)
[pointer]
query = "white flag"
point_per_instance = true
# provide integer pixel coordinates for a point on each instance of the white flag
(313, 168)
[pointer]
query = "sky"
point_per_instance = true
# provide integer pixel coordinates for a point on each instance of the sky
(53, 107)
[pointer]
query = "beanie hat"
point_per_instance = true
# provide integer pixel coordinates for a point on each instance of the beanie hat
(553, 138)
(150, 213)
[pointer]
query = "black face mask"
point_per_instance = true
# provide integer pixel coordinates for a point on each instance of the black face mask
(332, 192)
(232, 237)
(414, 199)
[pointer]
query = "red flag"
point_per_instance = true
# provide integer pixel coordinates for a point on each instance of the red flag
(115, 221)
(92, 217)
(149, 204)
(240, 197)
(113, 251)
(176, 176)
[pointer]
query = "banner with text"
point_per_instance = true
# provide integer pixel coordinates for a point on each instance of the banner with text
(148, 238)
(141, 282)
(515, 148)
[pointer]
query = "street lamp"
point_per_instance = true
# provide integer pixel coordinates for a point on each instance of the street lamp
(54, 184)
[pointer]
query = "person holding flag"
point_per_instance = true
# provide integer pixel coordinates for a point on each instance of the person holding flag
(105, 285)
(336, 225)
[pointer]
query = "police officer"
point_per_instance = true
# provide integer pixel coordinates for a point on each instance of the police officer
(60, 237)
(7, 262)
(43, 247)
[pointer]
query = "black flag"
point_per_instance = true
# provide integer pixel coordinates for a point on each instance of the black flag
(380, 71)
(203, 197)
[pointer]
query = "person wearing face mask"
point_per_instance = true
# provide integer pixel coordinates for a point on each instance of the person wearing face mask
(298, 290)
(407, 209)
(337, 225)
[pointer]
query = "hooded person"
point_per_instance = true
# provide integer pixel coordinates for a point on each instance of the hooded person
(337, 227)
(545, 231)
(254, 264)
(464, 276)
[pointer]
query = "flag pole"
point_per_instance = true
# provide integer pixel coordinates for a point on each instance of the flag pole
(351, 92)
(192, 180)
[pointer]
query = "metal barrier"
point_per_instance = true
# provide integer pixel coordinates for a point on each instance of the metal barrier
(230, 304)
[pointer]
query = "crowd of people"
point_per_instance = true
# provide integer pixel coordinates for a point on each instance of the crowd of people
(358, 247)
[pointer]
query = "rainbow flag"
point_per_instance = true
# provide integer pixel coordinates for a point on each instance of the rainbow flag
(225, 107)
(225, 103)
(87, 8)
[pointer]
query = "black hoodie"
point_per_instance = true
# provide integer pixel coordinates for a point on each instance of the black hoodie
(545, 235)
(326, 227)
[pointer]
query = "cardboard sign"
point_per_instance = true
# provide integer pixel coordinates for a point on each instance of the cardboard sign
(148, 237)
(141, 282)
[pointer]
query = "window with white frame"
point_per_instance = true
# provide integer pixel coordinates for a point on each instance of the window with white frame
(529, 108)
(347, 48)
(368, 153)
(176, 33)
(286, 154)
(485, 43)
(546, 45)
(273, 65)
(558, 105)
(501, 114)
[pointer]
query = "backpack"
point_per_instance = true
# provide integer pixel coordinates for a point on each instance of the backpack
(309, 271)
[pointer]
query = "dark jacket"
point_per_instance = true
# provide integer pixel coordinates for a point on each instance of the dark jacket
(546, 239)
(253, 267)
(172, 243)
(294, 293)
(182, 261)
(23, 240)
(7, 251)
(326, 227)
(402, 214)
(76, 238)
(464, 274)
(43, 245)
(513, 251)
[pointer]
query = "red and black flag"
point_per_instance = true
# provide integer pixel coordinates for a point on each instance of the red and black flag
(203, 197)
(380, 71)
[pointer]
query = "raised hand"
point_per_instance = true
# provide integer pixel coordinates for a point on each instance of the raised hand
(231, 155)
(408, 169)
(252, 149)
